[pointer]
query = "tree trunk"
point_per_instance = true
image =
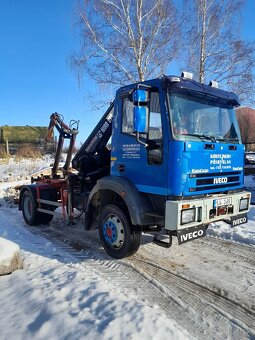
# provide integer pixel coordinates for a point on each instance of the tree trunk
(7, 147)
(202, 46)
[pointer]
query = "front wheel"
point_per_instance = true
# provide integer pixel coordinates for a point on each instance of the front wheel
(118, 236)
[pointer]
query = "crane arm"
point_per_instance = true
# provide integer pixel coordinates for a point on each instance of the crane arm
(65, 132)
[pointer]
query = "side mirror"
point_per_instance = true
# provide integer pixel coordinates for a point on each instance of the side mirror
(141, 114)
(140, 96)
(141, 110)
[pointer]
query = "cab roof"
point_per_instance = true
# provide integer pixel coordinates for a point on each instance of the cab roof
(186, 86)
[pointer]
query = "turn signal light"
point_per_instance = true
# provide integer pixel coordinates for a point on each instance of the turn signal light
(185, 206)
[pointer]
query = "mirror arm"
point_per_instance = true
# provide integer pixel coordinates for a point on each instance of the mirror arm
(139, 141)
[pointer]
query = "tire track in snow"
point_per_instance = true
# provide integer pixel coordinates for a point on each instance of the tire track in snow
(122, 277)
(202, 312)
(208, 302)
(240, 252)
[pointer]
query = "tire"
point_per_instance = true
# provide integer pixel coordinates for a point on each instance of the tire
(118, 236)
(29, 210)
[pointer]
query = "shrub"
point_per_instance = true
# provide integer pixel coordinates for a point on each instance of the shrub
(28, 151)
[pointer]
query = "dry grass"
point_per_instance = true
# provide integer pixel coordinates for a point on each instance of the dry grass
(27, 151)
(3, 154)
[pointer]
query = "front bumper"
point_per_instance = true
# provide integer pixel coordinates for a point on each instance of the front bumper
(202, 211)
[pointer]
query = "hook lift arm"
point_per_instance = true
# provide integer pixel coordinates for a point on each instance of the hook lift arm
(65, 132)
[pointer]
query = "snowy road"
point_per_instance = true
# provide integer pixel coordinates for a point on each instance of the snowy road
(62, 293)
(252, 195)
(205, 286)
(70, 288)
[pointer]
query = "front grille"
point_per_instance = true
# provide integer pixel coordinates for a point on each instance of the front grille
(214, 181)
(211, 180)
(210, 187)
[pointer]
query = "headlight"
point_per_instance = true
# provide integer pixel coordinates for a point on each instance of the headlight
(188, 216)
(244, 202)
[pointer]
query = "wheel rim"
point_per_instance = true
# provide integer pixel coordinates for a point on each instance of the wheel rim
(113, 232)
(27, 207)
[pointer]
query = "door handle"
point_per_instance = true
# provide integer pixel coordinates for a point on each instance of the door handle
(121, 168)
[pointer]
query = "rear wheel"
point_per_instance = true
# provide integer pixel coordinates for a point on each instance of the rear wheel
(118, 236)
(29, 210)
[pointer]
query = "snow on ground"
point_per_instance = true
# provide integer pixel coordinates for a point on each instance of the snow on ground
(9, 256)
(7, 248)
(54, 297)
(249, 181)
(16, 171)
(244, 233)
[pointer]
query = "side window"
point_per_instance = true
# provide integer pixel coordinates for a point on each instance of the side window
(155, 134)
(155, 131)
(127, 116)
(155, 124)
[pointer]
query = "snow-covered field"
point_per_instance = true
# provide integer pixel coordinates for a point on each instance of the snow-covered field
(203, 289)
(54, 297)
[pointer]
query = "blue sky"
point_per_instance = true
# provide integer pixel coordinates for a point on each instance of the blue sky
(37, 38)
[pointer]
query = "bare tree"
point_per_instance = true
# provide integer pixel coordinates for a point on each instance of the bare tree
(216, 51)
(126, 41)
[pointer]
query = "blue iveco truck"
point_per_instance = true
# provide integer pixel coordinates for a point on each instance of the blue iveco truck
(166, 158)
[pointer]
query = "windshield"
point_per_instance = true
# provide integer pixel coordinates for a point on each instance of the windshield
(195, 118)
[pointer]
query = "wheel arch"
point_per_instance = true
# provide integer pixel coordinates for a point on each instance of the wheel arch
(122, 192)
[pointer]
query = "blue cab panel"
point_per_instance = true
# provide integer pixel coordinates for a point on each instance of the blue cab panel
(186, 168)
(132, 163)
(197, 168)
(130, 158)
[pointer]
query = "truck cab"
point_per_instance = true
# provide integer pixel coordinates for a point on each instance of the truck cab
(175, 165)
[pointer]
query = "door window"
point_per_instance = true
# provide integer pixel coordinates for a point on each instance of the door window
(155, 134)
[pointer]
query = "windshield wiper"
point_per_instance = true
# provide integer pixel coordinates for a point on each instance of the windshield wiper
(229, 139)
(201, 136)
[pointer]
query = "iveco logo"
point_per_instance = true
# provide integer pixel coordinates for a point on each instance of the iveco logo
(190, 236)
(220, 180)
(239, 221)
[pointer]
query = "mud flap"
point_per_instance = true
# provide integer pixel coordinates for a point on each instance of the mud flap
(239, 219)
(190, 234)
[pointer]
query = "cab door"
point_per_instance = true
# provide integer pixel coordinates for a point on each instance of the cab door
(146, 167)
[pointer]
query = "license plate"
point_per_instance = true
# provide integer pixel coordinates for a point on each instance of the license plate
(220, 202)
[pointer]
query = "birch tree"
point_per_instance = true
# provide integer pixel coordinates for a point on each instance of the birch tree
(125, 41)
(215, 50)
